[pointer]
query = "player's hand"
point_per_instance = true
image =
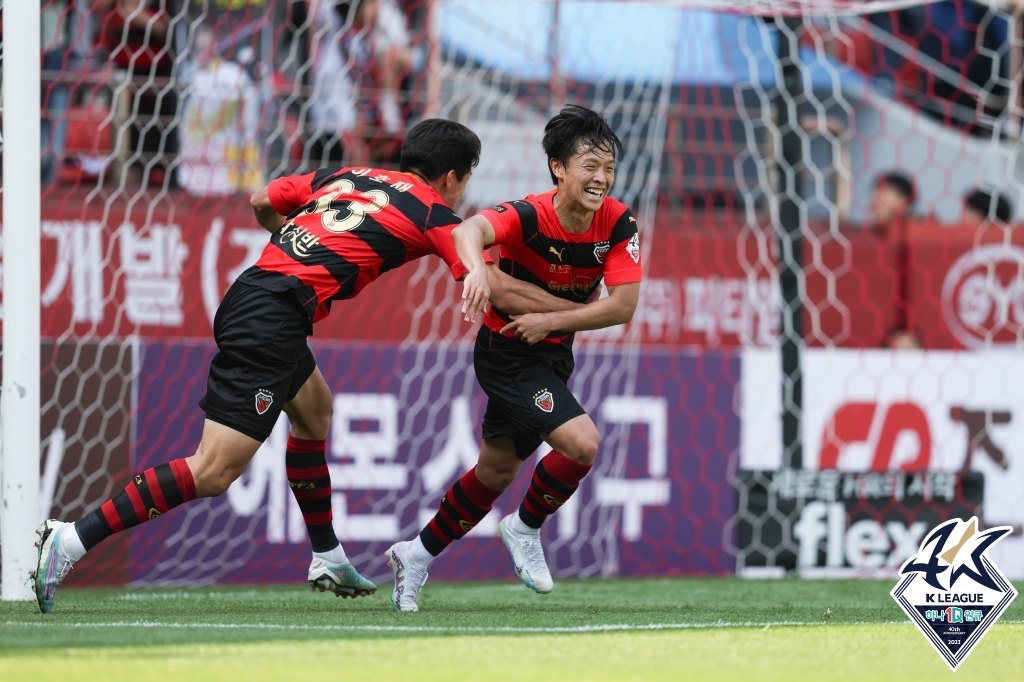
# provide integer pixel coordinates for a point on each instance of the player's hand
(475, 293)
(529, 328)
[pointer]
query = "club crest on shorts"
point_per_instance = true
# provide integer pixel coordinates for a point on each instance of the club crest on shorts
(601, 250)
(264, 399)
(544, 400)
(951, 590)
(633, 248)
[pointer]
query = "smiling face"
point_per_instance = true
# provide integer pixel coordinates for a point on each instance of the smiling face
(587, 178)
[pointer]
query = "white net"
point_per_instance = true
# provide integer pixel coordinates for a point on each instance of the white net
(754, 139)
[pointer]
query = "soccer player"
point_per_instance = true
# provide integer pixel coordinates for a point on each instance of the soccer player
(565, 241)
(333, 232)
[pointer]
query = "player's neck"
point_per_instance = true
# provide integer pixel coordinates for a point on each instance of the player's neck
(573, 217)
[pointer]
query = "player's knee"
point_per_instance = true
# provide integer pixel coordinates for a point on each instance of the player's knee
(496, 477)
(583, 448)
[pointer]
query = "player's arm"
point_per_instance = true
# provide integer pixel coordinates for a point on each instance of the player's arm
(280, 198)
(471, 237)
(264, 211)
(615, 308)
(516, 297)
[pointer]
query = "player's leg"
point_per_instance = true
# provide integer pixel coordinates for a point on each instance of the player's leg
(462, 507)
(221, 457)
(260, 338)
(556, 477)
(309, 412)
(548, 407)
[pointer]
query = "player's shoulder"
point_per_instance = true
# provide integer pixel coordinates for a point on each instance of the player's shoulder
(616, 220)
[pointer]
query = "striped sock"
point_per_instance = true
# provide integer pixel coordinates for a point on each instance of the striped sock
(554, 481)
(153, 492)
(464, 505)
(310, 481)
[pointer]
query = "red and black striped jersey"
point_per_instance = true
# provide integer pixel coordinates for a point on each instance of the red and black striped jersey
(345, 227)
(535, 248)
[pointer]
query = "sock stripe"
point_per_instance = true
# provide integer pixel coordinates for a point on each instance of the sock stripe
(111, 517)
(318, 519)
(153, 486)
(322, 504)
(132, 491)
(302, 445)
(310, 470)
(554, 485)
(183, 477)
(468, 506)
(168, 484)
(141, 482)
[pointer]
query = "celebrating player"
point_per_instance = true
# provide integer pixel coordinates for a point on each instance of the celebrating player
(333, 232)
(565, 241)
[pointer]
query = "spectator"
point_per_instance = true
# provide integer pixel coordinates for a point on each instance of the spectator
(891, 202)
(982, 206)
(136, 35)
(360, 53)
(903, 339)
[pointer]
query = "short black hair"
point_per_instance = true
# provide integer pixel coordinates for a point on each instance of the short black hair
(981, 200)
(435, 146)
(577, 130)
(899, 182)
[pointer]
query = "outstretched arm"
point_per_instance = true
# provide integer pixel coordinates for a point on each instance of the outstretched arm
(516, 297)
(265, 214)
(471, 237)
(616, 308)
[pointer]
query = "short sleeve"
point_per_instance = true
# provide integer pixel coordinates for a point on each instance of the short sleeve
(290, 192)
(508, 229)
(622, 265)
(439, 237)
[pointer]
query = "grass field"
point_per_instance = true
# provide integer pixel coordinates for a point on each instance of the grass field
(661, 629)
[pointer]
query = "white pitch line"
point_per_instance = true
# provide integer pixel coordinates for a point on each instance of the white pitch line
(579, 629)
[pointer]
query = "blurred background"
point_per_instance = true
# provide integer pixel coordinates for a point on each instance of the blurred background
(826, 359)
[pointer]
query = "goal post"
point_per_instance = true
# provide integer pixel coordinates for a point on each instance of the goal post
(20, 403)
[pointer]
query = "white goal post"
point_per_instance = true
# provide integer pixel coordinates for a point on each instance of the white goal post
(19, 485)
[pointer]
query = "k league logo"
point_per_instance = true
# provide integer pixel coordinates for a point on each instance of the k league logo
(952, 591)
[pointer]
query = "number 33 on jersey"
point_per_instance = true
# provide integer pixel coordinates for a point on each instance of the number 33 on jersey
(347, 226)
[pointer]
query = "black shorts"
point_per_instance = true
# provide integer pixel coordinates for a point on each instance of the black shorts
(527, 389)
(262, 359)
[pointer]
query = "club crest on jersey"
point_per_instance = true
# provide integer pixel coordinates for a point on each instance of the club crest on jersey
(951, 590)
(544, 400)
(264, 399)
(633, 248)
(601, 250)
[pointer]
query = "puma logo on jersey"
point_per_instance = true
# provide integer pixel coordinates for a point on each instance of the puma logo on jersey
(557, 252)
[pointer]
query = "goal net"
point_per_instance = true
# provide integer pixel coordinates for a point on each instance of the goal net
(754, 416)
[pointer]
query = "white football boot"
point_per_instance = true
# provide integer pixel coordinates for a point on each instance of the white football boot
(527, 555)
(341, 579)
(410, 576)
(52, 564)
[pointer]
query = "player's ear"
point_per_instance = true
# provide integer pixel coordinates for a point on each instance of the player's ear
(556, 168)
(451, 178)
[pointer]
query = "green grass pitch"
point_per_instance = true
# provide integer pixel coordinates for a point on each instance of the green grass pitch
(657, 629)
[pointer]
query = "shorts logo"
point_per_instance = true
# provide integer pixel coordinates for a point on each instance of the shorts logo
(633, 248)
(264, 399)
(499, 209)
(951, 590)
(544, 400)
(601, 250)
